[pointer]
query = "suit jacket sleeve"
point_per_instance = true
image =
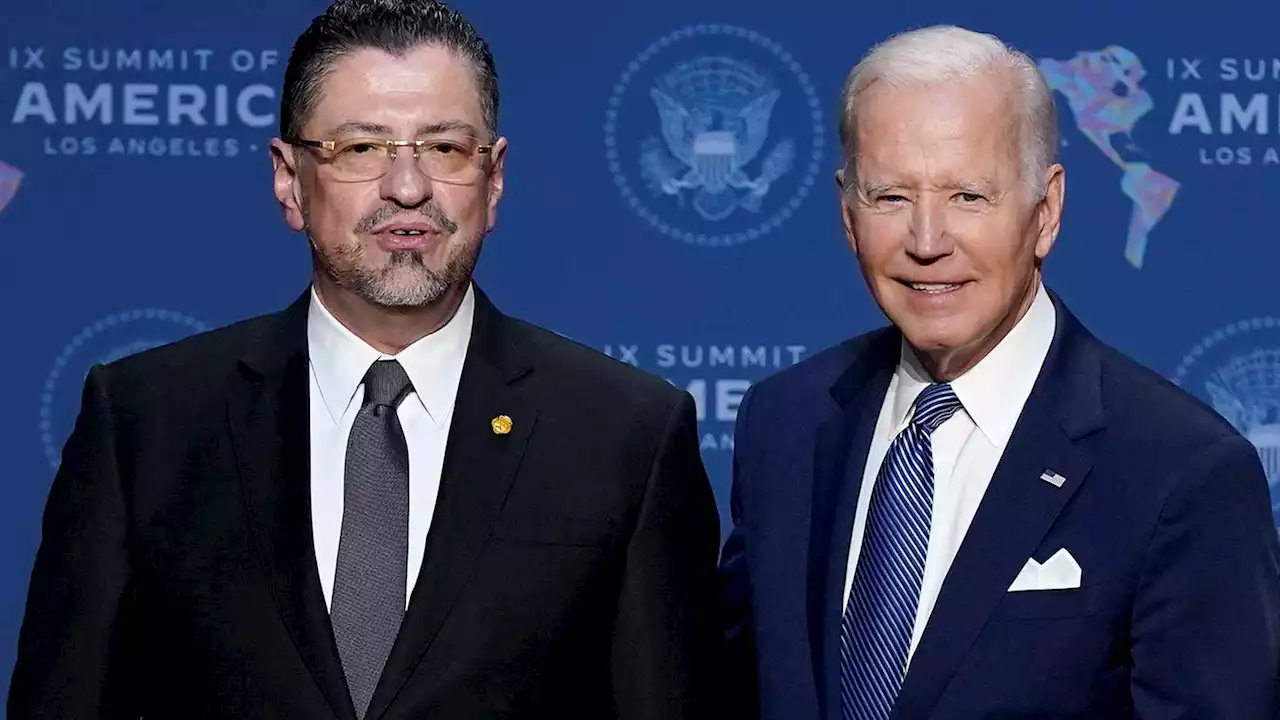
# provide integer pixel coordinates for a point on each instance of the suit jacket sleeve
(738, 665)
(72, 649)
(1206, 627)
(664, 634)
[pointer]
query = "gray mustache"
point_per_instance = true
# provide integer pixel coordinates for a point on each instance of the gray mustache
(386, 214)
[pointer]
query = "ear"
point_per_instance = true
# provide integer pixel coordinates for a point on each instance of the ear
(1049, 211)
(846, 212)
(287, 184)
(497, 172)
(850, 225)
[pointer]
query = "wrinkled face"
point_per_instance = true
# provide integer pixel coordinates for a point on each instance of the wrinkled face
(408, 237)
(947, 234)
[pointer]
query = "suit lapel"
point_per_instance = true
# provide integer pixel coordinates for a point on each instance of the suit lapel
(1056, 432)
(479, 467)
(840, 453)
(269, 417)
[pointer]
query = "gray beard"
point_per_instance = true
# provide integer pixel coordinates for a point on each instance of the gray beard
(405, 282)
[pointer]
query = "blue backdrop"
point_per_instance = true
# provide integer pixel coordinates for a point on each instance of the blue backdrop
(135, 200)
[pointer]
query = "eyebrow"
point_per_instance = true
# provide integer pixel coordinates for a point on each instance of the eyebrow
(981, 185)
(978, 185)
(434, 128)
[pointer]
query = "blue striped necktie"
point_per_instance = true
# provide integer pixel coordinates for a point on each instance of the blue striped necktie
(875, 633)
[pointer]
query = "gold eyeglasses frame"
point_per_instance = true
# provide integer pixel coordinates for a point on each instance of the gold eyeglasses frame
(393, 147)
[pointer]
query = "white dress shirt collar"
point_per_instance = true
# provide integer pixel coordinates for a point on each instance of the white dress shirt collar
(340, 360)
(993, 391)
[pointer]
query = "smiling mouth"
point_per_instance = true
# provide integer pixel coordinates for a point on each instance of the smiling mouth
(409, 233)
(933, 288)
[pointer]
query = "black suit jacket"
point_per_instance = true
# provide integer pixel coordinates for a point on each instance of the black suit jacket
(569, 570)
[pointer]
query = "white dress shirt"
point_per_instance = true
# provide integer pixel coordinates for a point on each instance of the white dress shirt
(339, 361)
(966, 448)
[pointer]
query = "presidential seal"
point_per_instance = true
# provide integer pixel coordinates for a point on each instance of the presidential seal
(713, 135)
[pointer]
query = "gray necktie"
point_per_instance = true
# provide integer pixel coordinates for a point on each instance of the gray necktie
(373, 550)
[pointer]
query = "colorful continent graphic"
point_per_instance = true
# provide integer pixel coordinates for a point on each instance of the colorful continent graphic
(10, 176)
(1103, 91)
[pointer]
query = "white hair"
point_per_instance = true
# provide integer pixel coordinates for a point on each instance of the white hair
(946, 53)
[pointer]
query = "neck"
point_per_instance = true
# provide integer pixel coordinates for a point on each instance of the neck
(947, 364)
(388, 330)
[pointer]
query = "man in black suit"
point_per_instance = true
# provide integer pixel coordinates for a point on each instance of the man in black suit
(293, 517)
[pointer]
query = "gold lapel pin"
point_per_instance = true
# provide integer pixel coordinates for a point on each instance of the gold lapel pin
(501, 425)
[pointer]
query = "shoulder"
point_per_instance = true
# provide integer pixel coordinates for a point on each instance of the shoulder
(1147, 418)
(812, 379)
(198, 361)
(571, 375)
(1152, 411)
(1165, 442)
(779, 418)
(1198, 481)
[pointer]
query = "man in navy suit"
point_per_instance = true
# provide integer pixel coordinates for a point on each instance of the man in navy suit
(983, 511)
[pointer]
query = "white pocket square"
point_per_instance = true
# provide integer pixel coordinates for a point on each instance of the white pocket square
(1060, 572)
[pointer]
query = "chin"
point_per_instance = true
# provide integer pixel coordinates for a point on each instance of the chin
(925, 338)
(399, 297)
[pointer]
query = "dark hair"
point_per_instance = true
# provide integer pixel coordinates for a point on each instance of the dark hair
(394, 26)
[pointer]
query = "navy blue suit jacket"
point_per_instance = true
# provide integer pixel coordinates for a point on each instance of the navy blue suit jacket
(1165, 508)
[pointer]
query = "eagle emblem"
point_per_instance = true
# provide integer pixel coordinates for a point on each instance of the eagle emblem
(714, 116)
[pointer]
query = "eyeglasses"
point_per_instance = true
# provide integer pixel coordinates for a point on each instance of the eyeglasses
(449, 159)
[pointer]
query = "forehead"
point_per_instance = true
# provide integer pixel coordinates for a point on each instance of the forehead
(424, 85)
(938, 133)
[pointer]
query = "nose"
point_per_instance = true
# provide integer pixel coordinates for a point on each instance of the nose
(929, 239)
(405, 184)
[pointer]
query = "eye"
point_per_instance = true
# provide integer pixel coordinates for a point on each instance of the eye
(891, 198)
(445, 148)
(361, 148)
(969, 198)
